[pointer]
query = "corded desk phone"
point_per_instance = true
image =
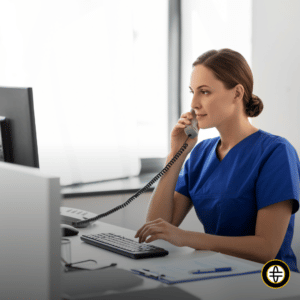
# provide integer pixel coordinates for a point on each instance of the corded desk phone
(80, 218)
(69, 215)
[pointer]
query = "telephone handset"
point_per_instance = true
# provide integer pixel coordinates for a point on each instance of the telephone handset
(191, 131)
(193, 128)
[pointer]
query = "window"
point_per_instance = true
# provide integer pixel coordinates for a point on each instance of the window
(98, 70)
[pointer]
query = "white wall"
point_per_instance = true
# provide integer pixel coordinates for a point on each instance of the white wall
(207, 25)
(275, 67)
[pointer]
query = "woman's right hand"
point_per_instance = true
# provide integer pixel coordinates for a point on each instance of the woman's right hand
(178, 135)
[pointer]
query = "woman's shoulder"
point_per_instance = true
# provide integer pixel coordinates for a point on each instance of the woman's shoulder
(271, 141)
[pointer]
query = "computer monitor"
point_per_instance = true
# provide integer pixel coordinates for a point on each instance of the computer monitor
(30, 233)
(18, 133)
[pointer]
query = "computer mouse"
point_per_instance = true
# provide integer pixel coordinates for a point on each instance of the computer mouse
(68, 230)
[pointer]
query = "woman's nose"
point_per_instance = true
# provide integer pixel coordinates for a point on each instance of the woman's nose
(195, 103)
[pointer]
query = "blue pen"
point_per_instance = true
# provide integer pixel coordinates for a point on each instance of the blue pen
(212, 270)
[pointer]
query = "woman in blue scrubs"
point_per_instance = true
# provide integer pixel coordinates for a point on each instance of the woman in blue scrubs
(244, 184)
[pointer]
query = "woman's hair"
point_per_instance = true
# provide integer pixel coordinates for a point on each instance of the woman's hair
(231, 68)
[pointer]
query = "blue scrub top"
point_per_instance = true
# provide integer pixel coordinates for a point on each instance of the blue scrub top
(260, 170)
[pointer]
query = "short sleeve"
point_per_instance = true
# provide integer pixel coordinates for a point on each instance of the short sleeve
(278, 179)
(182, 186)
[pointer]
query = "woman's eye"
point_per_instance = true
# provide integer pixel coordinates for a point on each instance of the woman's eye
(201, 92)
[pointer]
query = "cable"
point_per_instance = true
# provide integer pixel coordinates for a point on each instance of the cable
(138, 193)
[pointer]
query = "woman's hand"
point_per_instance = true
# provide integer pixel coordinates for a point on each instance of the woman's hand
(160, 229)
(178, 135)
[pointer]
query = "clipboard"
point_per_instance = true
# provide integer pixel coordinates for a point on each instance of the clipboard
(178, 272)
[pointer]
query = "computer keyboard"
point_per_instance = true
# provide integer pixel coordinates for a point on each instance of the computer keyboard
(123, 246)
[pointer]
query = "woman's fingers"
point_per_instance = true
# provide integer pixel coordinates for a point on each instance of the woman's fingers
(161, 229)
(142, 228)
(155, 237)
(184, 120)
(188, 115)
(141, 232)
(146, 231)
(150, 230)
(144, 234)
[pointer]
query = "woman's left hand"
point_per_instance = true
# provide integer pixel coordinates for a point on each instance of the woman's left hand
(160, 229)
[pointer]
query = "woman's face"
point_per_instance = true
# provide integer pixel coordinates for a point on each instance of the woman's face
(214, 100)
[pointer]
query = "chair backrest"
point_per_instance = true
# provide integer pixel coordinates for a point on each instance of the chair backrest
(296, 238)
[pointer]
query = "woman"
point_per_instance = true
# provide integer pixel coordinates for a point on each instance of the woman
(244, 185)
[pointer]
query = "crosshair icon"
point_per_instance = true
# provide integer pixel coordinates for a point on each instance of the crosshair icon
(275, 273)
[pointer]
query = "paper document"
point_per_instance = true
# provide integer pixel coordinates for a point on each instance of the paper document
(176, 271)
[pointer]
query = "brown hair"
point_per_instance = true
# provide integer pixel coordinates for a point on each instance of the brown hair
(231, 68)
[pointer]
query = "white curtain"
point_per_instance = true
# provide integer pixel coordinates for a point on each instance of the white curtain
(77, 56)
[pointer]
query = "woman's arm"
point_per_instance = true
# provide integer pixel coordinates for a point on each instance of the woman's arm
(161, 204)
(271, 226)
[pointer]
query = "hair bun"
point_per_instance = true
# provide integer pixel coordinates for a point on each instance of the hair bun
(254, 106)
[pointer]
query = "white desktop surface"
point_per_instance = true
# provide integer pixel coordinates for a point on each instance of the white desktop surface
(244, 287)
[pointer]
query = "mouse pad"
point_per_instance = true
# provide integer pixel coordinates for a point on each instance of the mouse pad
(96, 282)
(164, 293)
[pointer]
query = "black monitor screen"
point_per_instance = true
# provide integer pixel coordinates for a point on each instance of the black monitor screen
(18, 143)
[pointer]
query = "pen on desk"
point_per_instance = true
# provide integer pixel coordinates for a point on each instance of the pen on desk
(212, 270)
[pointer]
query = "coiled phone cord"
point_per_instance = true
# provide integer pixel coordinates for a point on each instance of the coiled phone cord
(144, 189)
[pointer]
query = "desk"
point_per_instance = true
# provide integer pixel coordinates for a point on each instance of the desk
(244, 287)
